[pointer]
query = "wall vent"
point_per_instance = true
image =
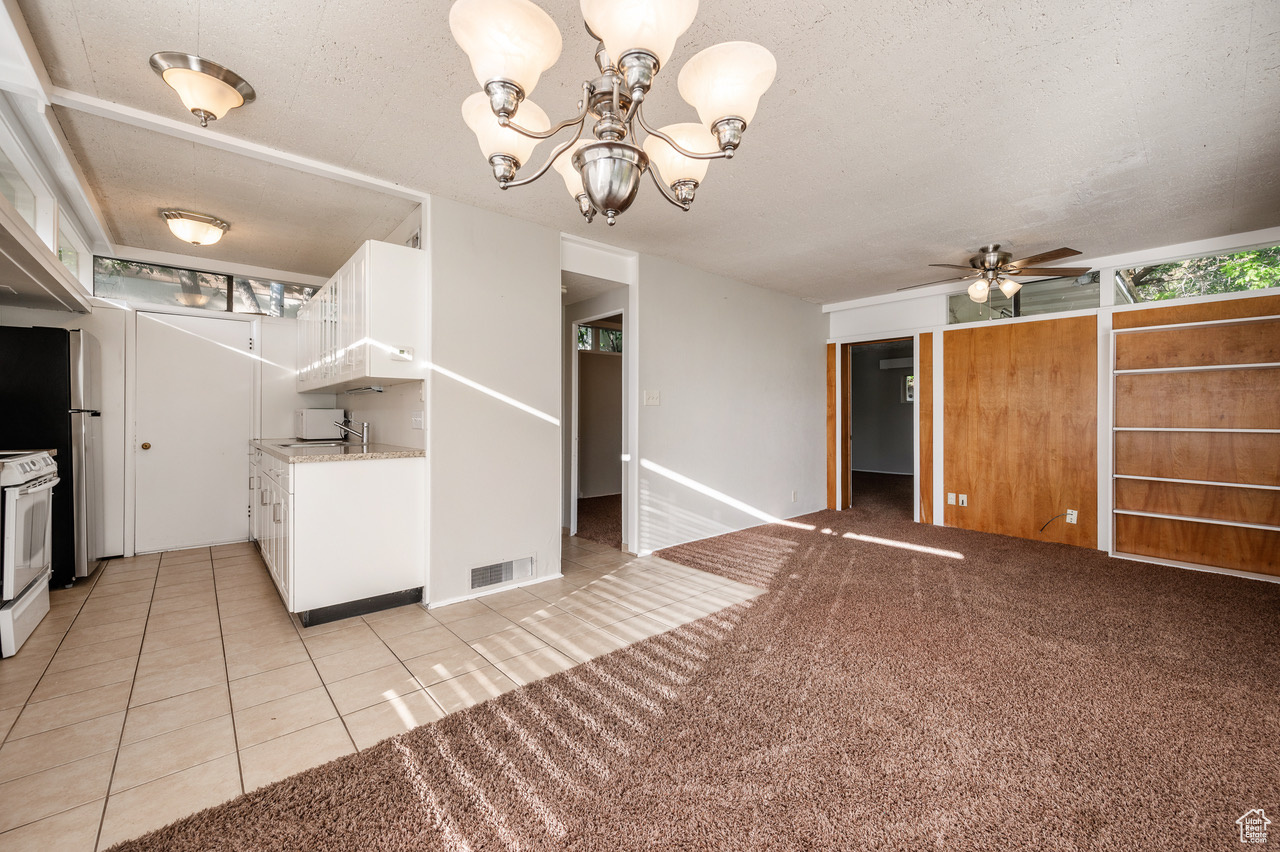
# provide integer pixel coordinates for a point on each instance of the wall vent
(501, 572)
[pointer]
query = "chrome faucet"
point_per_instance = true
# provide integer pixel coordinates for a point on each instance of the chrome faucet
(363, 434)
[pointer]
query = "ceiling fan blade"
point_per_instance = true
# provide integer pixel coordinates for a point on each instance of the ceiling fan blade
(943, 281)
(1058, 272)
(1046, 257)
(951, 266)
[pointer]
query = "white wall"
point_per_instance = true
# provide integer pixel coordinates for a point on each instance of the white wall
(741, 377)
(278, 349)
(390, 414)
(599, 424)
(494, 407)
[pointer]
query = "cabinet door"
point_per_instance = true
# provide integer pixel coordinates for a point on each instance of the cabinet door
(356, 310)
(277, 530)
(284, 576)
(253, 501)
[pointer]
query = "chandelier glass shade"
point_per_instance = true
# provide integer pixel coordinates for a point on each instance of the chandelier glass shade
(512, 42)
(648, 25)
(506, 40)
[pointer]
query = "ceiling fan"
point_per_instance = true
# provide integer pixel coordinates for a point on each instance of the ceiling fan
(995, 268)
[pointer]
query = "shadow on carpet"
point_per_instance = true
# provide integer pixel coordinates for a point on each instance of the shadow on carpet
(914, 688)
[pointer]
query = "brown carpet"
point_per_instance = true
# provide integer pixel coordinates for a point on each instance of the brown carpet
(600, 520)
(888, 495)
(989, 694)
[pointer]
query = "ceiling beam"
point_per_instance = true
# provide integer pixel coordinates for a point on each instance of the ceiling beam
(192, 132)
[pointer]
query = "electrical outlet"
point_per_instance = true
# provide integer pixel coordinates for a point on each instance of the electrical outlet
(652, 398)
(415, 420)
(402, 353)
(951, 498)
(964, 499)
(1072, 516)
(794, 496)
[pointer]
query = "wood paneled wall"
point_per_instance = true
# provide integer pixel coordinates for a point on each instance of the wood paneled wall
(1188, 421)
(1020, 428)
(924, 404)
(833, 417)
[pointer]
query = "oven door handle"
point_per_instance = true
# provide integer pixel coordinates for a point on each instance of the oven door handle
(44, 485)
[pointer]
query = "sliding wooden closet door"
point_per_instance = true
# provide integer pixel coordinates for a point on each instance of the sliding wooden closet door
(1197, 434)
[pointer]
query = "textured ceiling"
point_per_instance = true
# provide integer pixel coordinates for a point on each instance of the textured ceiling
(280, 218)
(578, 287)
(896, 134)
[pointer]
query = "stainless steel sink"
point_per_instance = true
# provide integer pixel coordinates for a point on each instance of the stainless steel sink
(316, 444)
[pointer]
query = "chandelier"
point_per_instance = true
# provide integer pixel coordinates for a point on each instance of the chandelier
(512, 42)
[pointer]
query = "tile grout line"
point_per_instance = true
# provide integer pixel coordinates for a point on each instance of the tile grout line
(226, 669)
(115, 760)
(298, 630)
(421, 687)
(27, 702)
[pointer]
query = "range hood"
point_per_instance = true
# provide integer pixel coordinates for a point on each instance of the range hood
(30, 274)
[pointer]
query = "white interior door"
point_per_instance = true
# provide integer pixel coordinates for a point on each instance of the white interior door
(194, 421)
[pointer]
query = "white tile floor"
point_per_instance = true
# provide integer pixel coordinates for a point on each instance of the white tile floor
(171, 682)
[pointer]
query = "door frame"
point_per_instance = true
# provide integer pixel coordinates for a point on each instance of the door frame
(574, 391)
(844, 455)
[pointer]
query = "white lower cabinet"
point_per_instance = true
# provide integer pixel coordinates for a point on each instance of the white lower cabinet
(339, 532)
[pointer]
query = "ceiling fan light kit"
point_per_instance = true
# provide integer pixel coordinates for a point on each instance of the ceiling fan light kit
(206, 88)
(994, 268)
(512, 42)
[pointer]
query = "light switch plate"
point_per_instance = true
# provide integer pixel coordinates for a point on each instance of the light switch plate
(951, 498)
(652, 398)
(415, 421)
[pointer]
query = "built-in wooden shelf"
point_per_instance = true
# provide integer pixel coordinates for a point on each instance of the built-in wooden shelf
(1223, 432)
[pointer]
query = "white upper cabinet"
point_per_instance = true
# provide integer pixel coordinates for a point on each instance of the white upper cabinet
(368, 323)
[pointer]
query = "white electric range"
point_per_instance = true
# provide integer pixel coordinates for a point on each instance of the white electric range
(27, 480)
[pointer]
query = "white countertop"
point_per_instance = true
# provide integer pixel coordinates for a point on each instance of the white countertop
(346, 452)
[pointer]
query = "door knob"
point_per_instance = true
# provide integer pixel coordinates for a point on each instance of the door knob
(146, 445)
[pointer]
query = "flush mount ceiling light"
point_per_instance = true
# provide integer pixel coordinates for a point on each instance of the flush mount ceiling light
(209, 90)
(195, 228)
(511, 42)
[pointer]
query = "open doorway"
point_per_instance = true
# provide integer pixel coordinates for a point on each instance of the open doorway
(595, 416)
(878, 406)
(599, 430)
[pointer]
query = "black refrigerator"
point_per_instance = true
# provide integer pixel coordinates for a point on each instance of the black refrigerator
(49, 383)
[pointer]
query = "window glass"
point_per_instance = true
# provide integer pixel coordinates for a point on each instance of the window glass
(584, 337)
(151, 284)
(273, 298)
(1047, 296)
(610, 339)
(1255, 269)
(14, 188)
(158, 285)
(67, 253)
